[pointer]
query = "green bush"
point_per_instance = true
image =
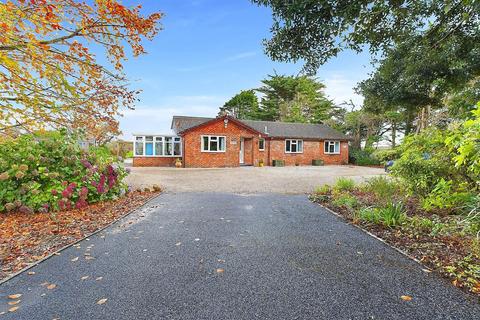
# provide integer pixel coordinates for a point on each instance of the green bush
(362, 157)
(345, 200)
(323, 189)
(49, 171)
(385, 155)
(444, 197)
(344, 184)
(390, 215)
(383, 187)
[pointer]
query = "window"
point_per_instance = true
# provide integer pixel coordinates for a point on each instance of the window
(158, 146)
(332, 147)
(213, 144)
(293, 146)
(261, 144)
(139, 146)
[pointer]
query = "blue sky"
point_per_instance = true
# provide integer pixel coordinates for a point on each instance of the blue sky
(207, 52)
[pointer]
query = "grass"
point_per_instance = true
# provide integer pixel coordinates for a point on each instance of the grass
(344, 184)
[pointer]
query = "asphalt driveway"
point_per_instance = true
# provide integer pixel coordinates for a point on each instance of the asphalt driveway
(225, 256)
(290, 180)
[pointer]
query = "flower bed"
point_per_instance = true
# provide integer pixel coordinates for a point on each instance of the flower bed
(27, 238)
(444, 241)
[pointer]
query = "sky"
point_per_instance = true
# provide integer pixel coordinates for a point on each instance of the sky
(208, 51)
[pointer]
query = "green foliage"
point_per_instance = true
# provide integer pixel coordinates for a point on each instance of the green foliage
(324, 189)
(424, 161)
(362, 157)
(467, 271)
(386, 154)
(345, 200)
(44, 172)
(390, 216)
(243, 105)
(443, 196)
(344, 184)
(129, 154)
(293, 99)
(384, 188)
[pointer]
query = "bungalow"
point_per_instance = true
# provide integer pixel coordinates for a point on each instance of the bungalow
(228, 142)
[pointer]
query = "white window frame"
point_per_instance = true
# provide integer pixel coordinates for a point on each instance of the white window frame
(261, 149)
(208, 144)
(331, 142)
(295, 142)
(175, 140)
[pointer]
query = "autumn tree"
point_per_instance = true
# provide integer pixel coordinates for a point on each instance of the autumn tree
(50, 74)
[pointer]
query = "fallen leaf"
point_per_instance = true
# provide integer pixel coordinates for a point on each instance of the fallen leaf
(43, 295)
(44, 284)
(56, 253)
(89, 258)
(15, 296)
(197, 239)
(144, 250)
(426, 270)
(74, 259)
(99, 278)
(220, 270)
(12, 303)
(13, 309)
(31, 273)
(221, 260)
(102, 301)
(84, 277)
(178, 243)
(1, 313)
(51, 286)
(406, 298)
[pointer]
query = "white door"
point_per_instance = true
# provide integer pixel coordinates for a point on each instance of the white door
(242, 155)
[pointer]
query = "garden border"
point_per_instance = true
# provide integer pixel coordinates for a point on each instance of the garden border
(424, 267)
(79, 240)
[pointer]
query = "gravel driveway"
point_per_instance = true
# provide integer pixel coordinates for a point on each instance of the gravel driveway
(224, 256)
(293, 180)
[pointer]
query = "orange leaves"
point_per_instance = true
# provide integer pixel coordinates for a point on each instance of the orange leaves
(45, 66)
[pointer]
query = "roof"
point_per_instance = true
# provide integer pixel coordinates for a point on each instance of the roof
(182, 123)
(272, 129)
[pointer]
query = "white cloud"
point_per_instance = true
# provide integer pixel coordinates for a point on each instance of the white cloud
(242, 55)
(157, 119)
(340, 88)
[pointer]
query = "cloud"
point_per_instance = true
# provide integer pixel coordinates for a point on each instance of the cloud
(242, 55)
(340, 88)
(157, 119)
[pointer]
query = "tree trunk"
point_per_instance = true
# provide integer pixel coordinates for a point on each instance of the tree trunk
(394, 134)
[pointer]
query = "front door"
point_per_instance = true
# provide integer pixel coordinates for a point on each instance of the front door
(242, 151)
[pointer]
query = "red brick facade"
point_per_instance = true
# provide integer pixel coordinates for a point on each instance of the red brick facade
(234, 132)
(154, 161)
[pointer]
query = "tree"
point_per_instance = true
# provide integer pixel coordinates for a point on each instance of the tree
(49, 73)
(293, 99)
(417, 81)
(243, 105)
(315, 31)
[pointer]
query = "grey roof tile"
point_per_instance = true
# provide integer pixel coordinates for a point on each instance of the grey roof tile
(274, 129)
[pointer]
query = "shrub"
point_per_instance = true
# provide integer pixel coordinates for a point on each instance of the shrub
(385, 155)
(344, 184)
(345, 200)
(323, 189)
(49, 171)
(384, 188)
(444, 197)
(362, 157)
(390, 215)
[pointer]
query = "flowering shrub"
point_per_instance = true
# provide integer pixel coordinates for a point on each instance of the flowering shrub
(47, 172)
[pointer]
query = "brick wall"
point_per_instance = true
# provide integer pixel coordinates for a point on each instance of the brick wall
(154, 161)
(194, 157)
(311, 150)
